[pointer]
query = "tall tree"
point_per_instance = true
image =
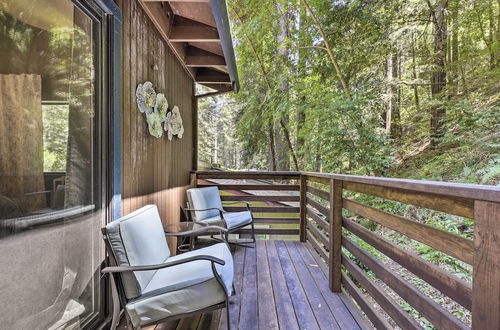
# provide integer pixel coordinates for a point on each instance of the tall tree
(439, 15)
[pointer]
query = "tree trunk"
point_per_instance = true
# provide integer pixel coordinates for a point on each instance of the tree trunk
(389, 97)
(396, 94)
(454, 51)
(414, 71)
(281, 133)
(438, 79)
(301, 115)
(272, 152)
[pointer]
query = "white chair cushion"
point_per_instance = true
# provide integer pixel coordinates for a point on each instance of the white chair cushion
(233, 219)
(236, 219)
(138, 239)
(204, 198)
(184, 288)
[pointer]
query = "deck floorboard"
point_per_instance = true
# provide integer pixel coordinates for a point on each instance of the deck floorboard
(279, 285)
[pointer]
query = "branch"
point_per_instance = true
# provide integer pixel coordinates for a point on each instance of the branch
(317, 47)
(329, 50)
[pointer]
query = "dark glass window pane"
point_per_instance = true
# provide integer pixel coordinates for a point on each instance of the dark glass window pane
(49, 214)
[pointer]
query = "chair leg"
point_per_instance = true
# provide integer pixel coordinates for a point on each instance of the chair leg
(228, 316)
(253, 232)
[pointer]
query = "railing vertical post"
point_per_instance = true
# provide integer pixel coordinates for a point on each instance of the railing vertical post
(303, 202)
(486, 283)
(335, 216)
(194, 179)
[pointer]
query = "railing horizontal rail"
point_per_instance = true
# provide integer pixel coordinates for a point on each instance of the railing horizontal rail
(319, 193)
(456, 246)
(431, 310)
(253, 198)
(474, 192)
(317, 246)
(374, 315)
(263, 209)
(317, 233)
(448, 204)
(321, 222)
(277, 220)
(391, 307)
(257, 175)
(270, 231)
(322, 209)
(276, 187)
(452, 286)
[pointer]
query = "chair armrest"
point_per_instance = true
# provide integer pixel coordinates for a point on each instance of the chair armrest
(121, 269)
(247, 204)
(237, 202)
(208, 228)
(209, 209)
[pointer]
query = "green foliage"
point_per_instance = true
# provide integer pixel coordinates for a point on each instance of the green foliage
(55, 137)
(287, 77)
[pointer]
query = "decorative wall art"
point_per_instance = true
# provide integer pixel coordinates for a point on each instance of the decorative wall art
(173, 123)
(155, 106)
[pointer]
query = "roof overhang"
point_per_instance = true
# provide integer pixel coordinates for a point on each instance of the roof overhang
(199, 34)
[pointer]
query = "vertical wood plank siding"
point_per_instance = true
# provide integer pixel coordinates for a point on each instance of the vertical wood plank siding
(155, 171)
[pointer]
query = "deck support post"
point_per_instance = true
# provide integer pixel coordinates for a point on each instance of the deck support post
(303, 202)
(193, 180)
(486, 284)
(335, 255)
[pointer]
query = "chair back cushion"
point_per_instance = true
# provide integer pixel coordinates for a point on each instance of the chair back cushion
(204, 198)
(138, 239)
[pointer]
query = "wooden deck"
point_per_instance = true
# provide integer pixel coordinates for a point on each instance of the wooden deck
(280, 285)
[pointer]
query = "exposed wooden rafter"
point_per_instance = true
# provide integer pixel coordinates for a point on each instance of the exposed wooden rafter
(190, 29)
(197, 57)
(186, 30)
(211, 76)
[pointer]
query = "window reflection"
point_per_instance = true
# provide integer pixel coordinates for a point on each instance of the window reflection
(47, 112)
(49, 221)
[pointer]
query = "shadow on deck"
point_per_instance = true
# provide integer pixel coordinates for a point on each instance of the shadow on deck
(279, 285)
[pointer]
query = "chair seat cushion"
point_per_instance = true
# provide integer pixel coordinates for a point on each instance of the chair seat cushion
(233, 219)
(183, 288)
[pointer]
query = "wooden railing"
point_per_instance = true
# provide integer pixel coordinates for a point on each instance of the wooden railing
(328, 229)
(328, 218)
(274, 197)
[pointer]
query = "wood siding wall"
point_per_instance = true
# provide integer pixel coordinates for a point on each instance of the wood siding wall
(154, 171)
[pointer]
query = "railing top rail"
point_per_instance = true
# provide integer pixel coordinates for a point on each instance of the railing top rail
(249, 172)
(470, 191)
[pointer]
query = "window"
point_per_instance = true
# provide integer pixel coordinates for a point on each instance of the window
(52, 164)
(47, 73)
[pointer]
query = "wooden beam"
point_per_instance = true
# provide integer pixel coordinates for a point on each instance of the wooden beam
(455, 288)
(335, 248)
(220, 88)
(212, 47)
(196, 11)
(196, 57)
(160, 18)
(486, 282)
(214, 77)
(186, 30)
(456, 246)
(303, 208)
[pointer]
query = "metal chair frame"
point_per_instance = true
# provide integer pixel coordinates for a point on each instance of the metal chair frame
(118, 291)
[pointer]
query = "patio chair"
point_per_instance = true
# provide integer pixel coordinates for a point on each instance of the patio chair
(205, 205)
(152, 285)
